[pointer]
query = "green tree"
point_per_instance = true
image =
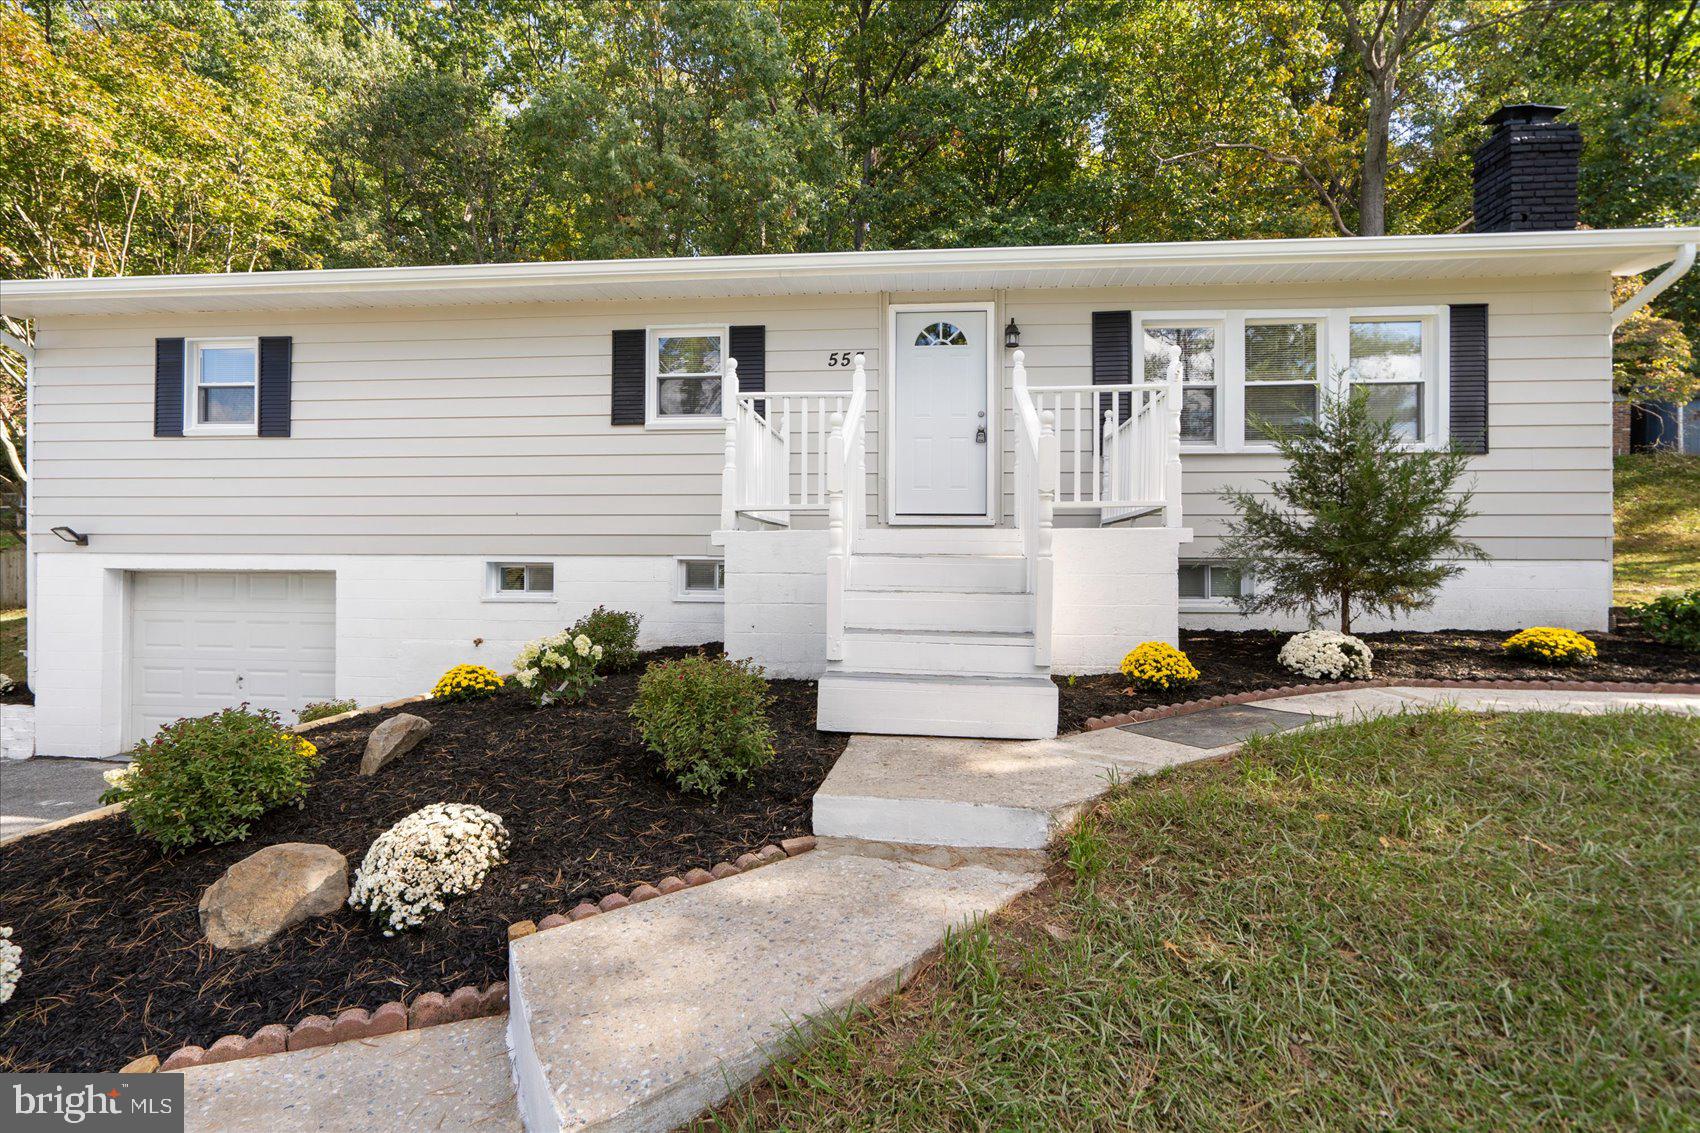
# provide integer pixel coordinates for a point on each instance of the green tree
(1360, 525)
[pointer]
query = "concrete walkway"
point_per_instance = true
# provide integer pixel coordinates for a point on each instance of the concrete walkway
(639, 1018)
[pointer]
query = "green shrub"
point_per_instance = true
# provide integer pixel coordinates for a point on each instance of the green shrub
(320, 709)
(205, 779)
(706, 717)
(1673, 619)
(616, 631)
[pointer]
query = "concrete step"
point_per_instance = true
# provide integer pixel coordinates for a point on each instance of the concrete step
(1011, 707)
(939, 541)
(978, 573)
(977, 794)
(641, 1018)
(938, 610)
(951, 653)
(455, 1076)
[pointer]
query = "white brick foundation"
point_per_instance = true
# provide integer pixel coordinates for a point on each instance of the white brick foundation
(400, 622)
(17, 731)
(776, 599)
(1503, 594)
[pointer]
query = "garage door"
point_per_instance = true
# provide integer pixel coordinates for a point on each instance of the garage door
(205, 640)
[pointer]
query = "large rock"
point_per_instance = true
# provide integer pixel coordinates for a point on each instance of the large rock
(271, 889)
(391, 740)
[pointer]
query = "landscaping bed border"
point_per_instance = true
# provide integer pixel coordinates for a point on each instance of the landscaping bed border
(1187, 707)
(433, 1008)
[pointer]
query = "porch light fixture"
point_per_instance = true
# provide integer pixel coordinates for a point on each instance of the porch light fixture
(1012, 334)
(71, 536)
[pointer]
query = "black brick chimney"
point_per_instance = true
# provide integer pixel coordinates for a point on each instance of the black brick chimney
(1526, 171)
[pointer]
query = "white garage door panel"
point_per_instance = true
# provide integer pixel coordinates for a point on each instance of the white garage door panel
(205, 640)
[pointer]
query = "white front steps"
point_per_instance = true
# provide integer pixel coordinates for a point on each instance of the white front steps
(922, 610)
(913, 704)
(1006, 574)
(938, 639)
(938, 651)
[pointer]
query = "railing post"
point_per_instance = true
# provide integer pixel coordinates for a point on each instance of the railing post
(729, 470)
(837, 542)
(1172, 449)
(1043, 564)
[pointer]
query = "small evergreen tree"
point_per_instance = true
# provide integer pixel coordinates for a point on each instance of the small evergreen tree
(1361, 524)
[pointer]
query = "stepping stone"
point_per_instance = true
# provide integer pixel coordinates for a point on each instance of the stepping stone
(454, 1076)
(1219, 727)
(640, 1018)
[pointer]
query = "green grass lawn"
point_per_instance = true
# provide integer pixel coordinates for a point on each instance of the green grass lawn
(12, 625)
(1436, 921)
(1658, 525)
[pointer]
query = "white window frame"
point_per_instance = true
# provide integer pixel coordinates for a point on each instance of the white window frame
(1207, 604)
(193, 426)
(493, 591)
(653, 417)
(681, 594)
(1215, 320)
(1324, 377)
(1436, 400)
(1334, 348)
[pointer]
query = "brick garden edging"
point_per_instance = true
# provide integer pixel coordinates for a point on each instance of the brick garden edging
(432, 1008)
(1187, 707)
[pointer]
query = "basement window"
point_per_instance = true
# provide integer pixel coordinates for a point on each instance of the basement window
(521, 582)
(1211, 585)
(701, 580)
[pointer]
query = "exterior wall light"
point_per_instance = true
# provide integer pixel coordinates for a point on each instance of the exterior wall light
(71, 536)
(1012, 334)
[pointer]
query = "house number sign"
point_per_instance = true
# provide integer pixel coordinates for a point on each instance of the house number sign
(841, 358)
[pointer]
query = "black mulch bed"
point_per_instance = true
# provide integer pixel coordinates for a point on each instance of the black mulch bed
(1244, 661)
(114, 961)
(19, 693)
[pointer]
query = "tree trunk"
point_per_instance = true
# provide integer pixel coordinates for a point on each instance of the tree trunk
(1345, 610)
(1372, 188)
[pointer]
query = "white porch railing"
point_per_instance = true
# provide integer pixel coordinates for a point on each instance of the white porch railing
(1037, 473)
(1118, 448)
(776, 451)
(847, 502)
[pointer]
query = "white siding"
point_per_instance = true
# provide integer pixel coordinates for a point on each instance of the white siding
(1543, 490)
(486, 432)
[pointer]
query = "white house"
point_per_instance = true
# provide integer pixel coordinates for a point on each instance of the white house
(931, 478)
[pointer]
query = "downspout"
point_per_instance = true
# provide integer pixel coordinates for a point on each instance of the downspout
(1675, 271)
(30, 619)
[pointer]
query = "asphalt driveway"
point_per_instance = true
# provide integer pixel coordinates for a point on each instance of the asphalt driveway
(34, 791)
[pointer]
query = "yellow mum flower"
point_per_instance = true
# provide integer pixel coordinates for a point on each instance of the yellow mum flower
(1156, 666)
(1551, 644)
(466, 682)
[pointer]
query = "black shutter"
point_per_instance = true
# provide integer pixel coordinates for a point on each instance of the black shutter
(1112, 355)
(168, 387)
(276, 362)
(749, 346)
(1469, 369)
(628, 363)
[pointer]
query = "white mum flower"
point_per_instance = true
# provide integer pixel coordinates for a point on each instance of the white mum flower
(1327, 654)
(439, 851)
(11, 964)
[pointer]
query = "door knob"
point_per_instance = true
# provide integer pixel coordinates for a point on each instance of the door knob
(980, 435)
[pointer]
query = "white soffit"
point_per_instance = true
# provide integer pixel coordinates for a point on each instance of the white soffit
(1195, 264)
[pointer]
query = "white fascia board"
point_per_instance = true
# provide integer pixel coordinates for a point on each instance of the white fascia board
(1621, 251)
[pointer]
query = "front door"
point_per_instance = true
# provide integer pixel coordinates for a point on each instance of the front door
(941, 424)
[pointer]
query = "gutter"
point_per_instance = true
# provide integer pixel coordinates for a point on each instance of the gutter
(1677, 269)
